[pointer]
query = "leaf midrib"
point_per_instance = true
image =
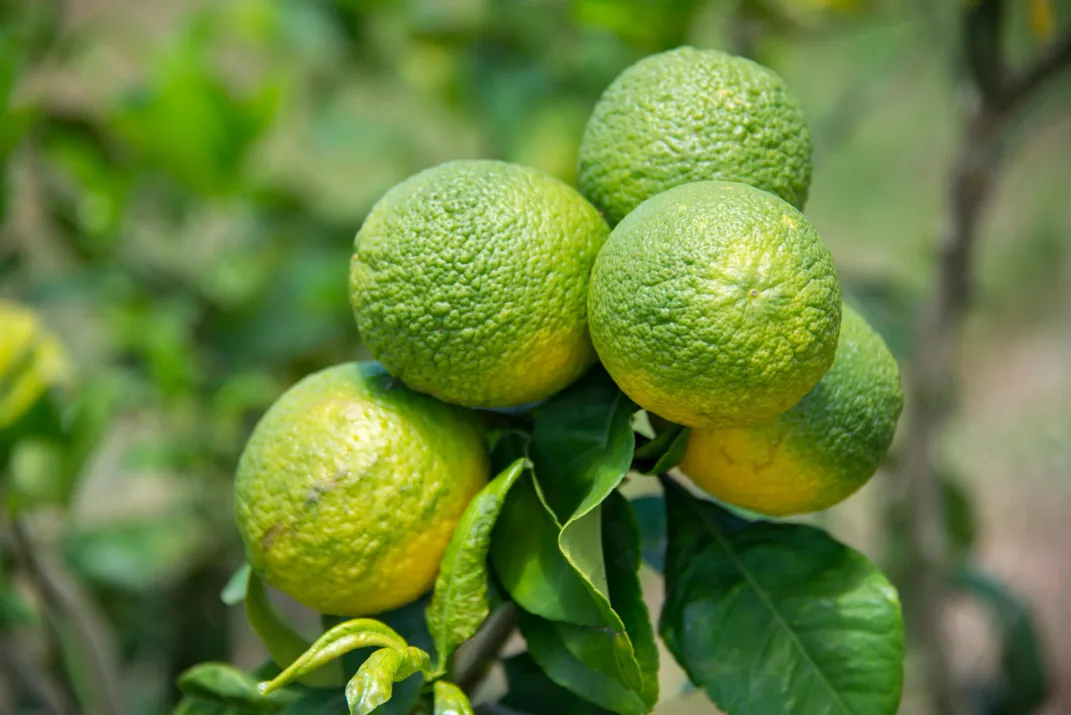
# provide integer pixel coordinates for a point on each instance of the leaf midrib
(722, 542)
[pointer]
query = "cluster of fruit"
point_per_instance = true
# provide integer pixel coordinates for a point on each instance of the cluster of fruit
(712, 303)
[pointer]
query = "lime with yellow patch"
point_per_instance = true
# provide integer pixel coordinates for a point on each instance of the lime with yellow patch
(350, 486)
(469, 282)
(31, 361)
(693, 115)
(822, 450)
(715, 304)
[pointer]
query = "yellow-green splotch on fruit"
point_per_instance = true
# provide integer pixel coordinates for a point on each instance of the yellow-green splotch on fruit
(715, 304)
(350, 486)
(469, 282)
(822, 450)
(31, 361)
(692, 115)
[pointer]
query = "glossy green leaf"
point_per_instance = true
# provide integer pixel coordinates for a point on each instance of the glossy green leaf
(547, 549)
(662, 453)
(547, 644)
(616, 664)
(530, 564)
(284, 644)
(1023, 682)
(773, 617)
(621, 530)
(374, 682)
(531, 691)
(218, 687)
(343, 638)
(459, 603)
(582, 445)
(237, 585)
(450, 699)
(320, 702)
(651, 516)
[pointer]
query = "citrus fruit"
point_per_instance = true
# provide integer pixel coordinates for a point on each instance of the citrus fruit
(691, 115)
(31, 361)
(350, 486)
(819, 452)
(715, 304)
(469, 282)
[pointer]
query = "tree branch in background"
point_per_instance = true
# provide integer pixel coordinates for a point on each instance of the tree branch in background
(30, 679)
(995, 96)
(1055, 59)
(66, 606)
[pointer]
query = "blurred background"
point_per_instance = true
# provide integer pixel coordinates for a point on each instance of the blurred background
(181, 183)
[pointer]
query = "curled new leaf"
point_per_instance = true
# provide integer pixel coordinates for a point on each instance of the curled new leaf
(343, 638)
(373, 684)
(459, 604)
(284, 644)
(209, 686)
(451, 700)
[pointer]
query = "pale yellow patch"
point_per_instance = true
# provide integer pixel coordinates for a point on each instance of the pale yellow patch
(755, 470)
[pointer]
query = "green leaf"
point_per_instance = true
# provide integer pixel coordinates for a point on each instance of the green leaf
(237, 585)
(774, 617)
(651, 516)
(450, 700)
(284, 644)
(530, 564)
(662, 453)
(319, 702)
(459, 603)
(531, 691)
(218, 687)
(620, 528)
(582, 445)
(1023, 685)
(582, 448)
(615, 666)
(343, 638)
(374, 682)
(547, 549)
(547, 644)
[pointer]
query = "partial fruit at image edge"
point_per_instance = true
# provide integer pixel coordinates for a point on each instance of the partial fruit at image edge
(818, 453)
(691, 115)
(715, 304)
(31, 361)
(350, 487)
(469, 282)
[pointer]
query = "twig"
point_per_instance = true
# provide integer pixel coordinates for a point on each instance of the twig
(472, 667)
(66, 606)
(1056, 58)
(38, 684)
(996, 97)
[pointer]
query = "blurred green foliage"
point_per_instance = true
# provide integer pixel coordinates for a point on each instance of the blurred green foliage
(179, 187)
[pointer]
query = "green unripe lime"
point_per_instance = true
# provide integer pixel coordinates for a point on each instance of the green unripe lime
(693, 115)
(350, 486)
(822, 450)
(715, 304)
(469, 282)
